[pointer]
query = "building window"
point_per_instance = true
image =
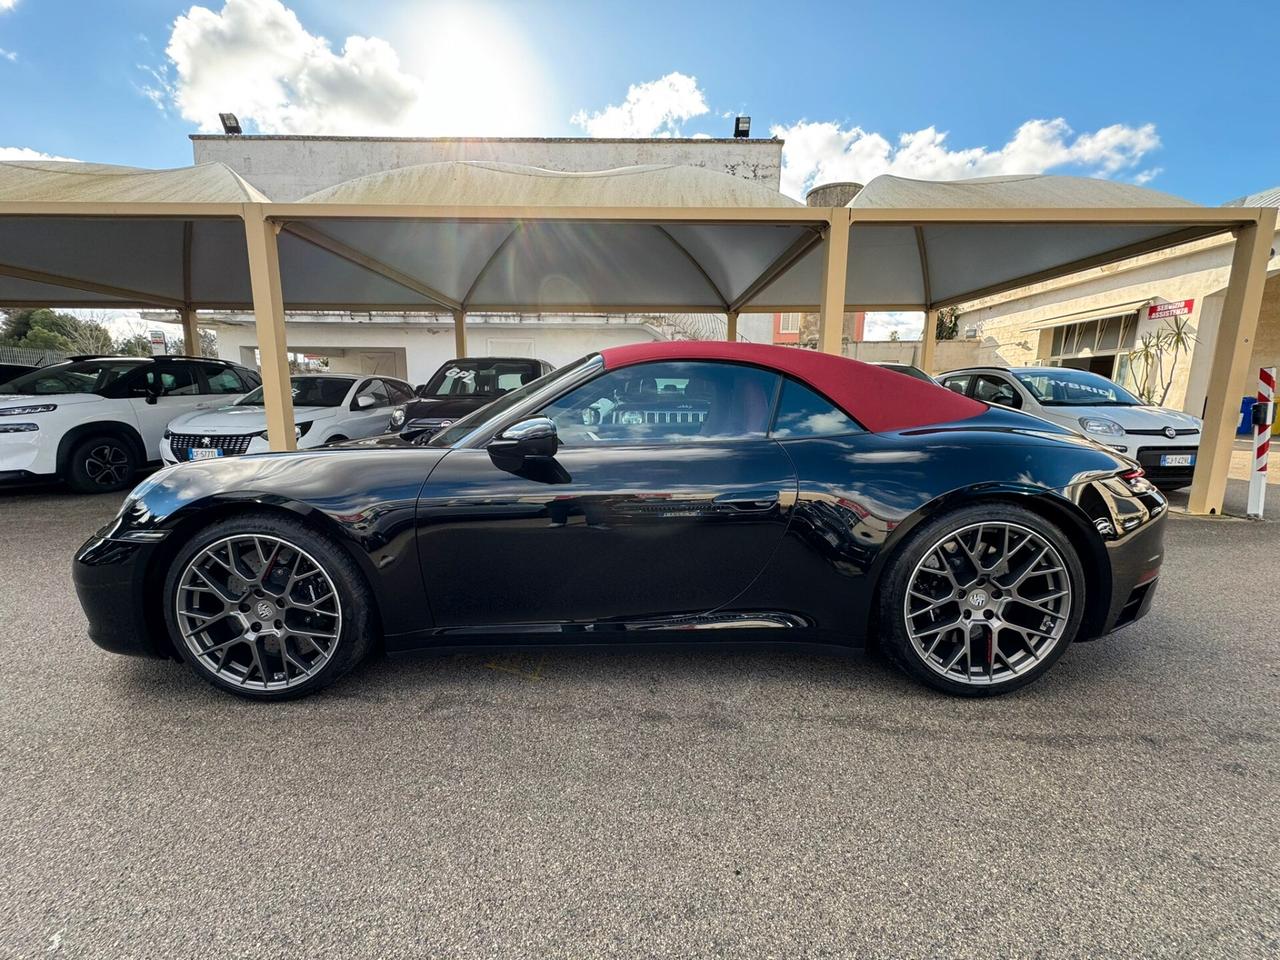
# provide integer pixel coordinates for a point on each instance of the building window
(789, 323)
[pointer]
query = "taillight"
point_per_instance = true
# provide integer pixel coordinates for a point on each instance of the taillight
(1136, 480)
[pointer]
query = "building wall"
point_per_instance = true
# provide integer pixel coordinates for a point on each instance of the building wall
(418, 348)
(287, 168)
(1198, 272)
(948, 355)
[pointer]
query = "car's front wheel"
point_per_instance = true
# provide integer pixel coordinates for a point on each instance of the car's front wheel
(983, 600)
(267, 607)
(101, 464)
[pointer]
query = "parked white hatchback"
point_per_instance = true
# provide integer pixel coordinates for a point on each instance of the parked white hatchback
(1162, 441)
(327, 408)
(94, 421)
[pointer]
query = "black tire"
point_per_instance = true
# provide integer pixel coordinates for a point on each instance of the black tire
(358, 623)
(101, 464)
(894, 638)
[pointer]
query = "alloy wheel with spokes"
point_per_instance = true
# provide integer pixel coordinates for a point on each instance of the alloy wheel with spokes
(107, 464)
(988, 603)
(258, 612)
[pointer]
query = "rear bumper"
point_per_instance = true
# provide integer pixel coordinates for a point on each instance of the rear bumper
(109, 577)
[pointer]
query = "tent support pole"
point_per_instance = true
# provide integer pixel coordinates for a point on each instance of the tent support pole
(834, 265)
(731, 326)
(1232, 352)
(459, 333)
(190, 332)
(929, 342)
(268, 312)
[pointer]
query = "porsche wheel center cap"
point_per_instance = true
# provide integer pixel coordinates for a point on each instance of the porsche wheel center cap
(978, 599)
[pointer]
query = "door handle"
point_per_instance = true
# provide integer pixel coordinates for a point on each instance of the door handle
(747, 501)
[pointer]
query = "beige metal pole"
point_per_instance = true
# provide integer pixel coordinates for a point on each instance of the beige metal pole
(929, 342)
(731, 326)
(459, 333)
(190, 332)
(268, 311)
(834, 265)
(1231, 355)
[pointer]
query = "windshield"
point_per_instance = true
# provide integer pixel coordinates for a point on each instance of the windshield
(81, 376)
(479, 378)
(307, 392)
(1064, 387)
(450, 436)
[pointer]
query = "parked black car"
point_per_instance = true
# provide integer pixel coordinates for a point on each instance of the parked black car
(463, 386)
(10, 370)
(650, 493)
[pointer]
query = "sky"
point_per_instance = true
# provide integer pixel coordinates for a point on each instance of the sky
(1179, 97)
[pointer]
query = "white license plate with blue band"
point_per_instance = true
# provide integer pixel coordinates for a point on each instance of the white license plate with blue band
(1177, 459)
(204, 453)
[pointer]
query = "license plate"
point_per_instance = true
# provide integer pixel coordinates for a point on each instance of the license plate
(1177, 459)
(204, 453)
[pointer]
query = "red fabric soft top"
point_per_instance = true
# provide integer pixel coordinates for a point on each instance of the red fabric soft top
(878, 398)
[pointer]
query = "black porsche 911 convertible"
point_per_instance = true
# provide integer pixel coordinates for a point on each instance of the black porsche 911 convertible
(654, 493)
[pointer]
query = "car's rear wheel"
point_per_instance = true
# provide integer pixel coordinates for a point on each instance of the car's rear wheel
(982, 601)
(267, 607)
(101, 464)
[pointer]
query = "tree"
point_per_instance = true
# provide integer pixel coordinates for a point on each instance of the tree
(45, 329)
(948, 325)
(1153, 361)
(138, 345)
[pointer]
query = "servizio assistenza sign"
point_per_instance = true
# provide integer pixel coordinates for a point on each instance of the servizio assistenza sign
(1163, 311)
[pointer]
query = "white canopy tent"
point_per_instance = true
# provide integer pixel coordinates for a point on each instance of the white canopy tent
(482, 237)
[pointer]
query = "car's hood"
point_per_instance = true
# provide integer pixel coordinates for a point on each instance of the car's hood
(234, 419)
(61, 399)
(1131, 418)
(444, 408)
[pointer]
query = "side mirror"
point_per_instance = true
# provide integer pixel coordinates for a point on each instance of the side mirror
(152, 394)
(363, 402)
(532, 439)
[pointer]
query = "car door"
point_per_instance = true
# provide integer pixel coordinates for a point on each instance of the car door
(371, 420)
(162, 391)
(666, 498)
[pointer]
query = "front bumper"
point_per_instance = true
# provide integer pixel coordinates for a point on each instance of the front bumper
(226, 446)
(1148, 458)
(27, 454)
(1136, 559)
(110, 577)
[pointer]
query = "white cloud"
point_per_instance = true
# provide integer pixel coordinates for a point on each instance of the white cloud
(10, 55)
(26, 153)
(653, 109)
(6, 5)
(823, 151)
(254, 58)
(1146, 176)
(908, 325)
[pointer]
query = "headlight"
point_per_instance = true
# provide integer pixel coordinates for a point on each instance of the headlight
(28, 410)
(1101, 425)
(301, 429)
(397, 417)
(168, 434)
(18, 427)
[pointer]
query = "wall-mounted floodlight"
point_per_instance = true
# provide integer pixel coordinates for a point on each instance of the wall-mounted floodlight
(742, 127)
(230, 124)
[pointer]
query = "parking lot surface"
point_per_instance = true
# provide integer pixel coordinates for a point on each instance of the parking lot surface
(644, 804)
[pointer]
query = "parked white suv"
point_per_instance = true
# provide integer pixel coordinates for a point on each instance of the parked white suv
(1162, 441)
(327, 408)
(94, 421)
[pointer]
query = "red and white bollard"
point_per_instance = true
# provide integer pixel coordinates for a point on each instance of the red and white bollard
(1263, 416)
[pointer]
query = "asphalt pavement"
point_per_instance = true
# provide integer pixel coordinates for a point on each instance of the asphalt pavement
(641, 804)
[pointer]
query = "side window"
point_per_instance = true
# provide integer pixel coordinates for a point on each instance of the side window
(221, 379)
(996, 390)
(803, 413)
(170, 380)
(678, 402)
(958, 384)
(250, 377)
(378, 390)
(400, 392)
